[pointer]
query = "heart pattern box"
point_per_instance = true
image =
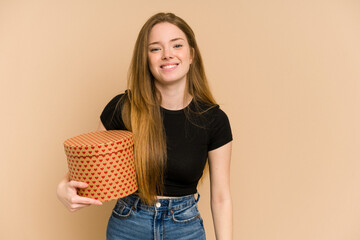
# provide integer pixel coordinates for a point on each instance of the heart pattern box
(105, 161)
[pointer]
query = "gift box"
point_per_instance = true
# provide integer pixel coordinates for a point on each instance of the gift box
(105, 161)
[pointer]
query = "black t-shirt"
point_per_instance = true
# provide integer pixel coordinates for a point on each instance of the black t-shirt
(190, 134)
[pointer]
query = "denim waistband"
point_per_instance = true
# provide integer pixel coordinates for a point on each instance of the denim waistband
(161, 204)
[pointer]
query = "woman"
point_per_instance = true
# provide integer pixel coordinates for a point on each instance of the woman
(177, 126)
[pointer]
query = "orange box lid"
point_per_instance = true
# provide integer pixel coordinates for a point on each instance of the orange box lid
(98, 143)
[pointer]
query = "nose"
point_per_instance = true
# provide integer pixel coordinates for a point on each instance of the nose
(167, 54)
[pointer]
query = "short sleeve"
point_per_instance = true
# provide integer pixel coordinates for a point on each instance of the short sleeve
(220, 129)
(111, 115)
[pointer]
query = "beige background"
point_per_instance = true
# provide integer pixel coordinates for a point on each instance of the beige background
(286, 72)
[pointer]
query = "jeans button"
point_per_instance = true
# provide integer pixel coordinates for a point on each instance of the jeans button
(158, 204)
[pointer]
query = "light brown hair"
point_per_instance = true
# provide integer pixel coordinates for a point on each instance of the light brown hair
(141, 107)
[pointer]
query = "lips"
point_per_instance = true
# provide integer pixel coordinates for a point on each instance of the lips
(169, 66)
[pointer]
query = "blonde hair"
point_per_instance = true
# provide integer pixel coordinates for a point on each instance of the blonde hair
(141, 107)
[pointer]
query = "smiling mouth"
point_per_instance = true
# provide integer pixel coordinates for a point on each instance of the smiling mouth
(169, 66)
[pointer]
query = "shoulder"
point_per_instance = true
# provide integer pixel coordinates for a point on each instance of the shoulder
(218, 118)
(111, 115)
(217, 125)
(211, 112)
(118, 99)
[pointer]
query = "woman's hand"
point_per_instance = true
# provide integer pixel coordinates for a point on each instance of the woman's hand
(66, 192)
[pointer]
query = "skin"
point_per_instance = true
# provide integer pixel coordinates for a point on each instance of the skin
(221, 202)
(168, 46)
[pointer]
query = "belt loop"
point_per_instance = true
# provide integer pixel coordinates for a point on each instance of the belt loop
(170, 211)
(136, 202)
(198, 197)
(170, 204)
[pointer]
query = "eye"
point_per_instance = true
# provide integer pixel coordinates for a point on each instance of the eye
(178, 46)
(154, 49)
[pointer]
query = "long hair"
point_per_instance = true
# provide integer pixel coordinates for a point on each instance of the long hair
(141, 107)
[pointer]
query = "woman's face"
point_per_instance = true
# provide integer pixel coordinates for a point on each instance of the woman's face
(169, 54)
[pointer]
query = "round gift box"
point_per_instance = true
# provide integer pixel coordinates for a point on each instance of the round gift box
(105, 161)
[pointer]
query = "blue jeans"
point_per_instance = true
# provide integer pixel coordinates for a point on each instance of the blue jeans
(167, 219)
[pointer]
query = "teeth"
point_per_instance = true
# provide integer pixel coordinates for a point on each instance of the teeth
(169, 66)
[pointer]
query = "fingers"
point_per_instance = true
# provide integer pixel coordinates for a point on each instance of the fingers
(76, 184)
(86, 201)
(75, 207)
(67, 194)
(76, 202)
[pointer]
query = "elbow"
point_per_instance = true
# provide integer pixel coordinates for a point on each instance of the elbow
(221, 198)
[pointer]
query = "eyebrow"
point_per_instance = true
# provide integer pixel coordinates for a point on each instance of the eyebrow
(172, 40)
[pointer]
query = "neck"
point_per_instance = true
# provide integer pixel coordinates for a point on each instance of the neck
(174, 97)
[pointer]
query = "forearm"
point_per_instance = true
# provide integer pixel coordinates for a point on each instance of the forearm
(222, 218)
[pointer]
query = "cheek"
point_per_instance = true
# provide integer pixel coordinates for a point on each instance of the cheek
(152, 64)
(188, 57)
(152, 71)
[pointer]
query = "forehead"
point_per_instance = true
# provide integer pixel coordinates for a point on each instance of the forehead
(164, 32)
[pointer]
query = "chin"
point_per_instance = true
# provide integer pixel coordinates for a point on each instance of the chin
(170, 80)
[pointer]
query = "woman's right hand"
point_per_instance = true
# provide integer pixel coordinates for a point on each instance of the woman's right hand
(66, 192)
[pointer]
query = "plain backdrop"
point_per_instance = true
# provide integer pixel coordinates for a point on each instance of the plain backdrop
(287, 73)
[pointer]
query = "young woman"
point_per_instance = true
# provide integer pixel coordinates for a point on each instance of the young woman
(177, 127)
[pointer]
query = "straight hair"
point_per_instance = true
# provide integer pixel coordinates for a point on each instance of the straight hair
(141, 112)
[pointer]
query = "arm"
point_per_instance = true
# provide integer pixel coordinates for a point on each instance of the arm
(66, 190)
(221, 203)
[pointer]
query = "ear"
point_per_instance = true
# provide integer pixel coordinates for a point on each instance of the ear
(192, 55)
